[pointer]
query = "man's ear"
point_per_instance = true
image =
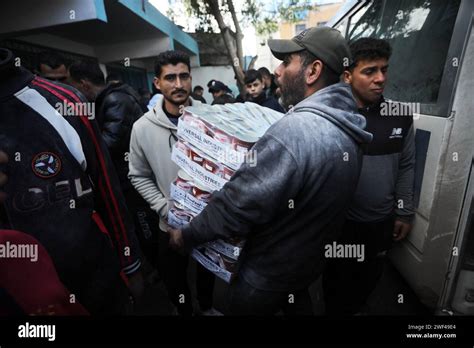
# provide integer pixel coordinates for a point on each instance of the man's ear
(314, 72)
(347, 77)
(156, 82)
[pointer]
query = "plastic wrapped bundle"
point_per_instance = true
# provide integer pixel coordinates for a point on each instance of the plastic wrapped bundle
(213, 141)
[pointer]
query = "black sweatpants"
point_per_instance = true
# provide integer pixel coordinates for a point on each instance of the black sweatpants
(173, 269)
(146, 223)
(347, 283)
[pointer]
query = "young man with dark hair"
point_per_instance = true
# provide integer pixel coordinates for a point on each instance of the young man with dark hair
(294, 201)
(117, 107)
(269, 81)
(197, 94)
(52, 66)
(152, 171)
(87, 78)
(382, 208)
(256, 91)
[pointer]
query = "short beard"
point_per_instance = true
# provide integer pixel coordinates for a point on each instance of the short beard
(293, 91)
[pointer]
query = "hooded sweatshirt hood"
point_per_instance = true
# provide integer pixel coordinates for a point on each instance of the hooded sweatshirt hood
(336, 104)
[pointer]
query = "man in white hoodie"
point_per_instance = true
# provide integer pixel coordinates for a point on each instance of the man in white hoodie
(152, 171)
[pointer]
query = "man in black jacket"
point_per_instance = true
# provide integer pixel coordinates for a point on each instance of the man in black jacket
(117, 107)
(293, 202)
(62, 188)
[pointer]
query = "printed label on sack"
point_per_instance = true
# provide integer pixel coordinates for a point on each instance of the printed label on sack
(224, 248)
(175, 222)
(211, 266)
(187, 199)
(204, 177)
(224, 154)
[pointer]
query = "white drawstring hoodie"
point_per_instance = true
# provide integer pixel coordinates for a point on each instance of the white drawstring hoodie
(151, 170)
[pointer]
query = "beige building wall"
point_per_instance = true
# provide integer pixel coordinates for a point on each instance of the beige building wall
(287, 30)
(315, 18)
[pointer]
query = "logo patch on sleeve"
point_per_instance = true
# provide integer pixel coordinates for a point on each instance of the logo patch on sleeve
(46, 165)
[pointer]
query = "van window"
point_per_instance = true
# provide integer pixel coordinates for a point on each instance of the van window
(419, 32)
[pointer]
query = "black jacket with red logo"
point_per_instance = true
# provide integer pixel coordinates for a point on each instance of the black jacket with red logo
(61, 186)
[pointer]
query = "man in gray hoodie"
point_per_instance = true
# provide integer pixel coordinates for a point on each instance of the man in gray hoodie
(293, 202)
(152, 172)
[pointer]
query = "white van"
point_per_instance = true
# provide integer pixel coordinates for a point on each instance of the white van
(432, 65)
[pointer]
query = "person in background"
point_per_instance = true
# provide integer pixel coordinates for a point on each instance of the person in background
(256, 91)
(117, 107)
(145, 97)
(52, 66)
(381, 210)
(269, 81)
(197, 94)
(220, 92)
(155, 95)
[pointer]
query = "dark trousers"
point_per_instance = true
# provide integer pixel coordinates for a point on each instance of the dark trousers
(173, 269)
(244, 299)
(347, 283)
(146, 223)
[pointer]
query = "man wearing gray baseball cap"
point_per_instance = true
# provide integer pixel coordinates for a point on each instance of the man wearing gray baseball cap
(323, 49)
(292, 204)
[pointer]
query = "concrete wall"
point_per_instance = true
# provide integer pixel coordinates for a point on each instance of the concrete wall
(59, 43)
(287, 31)
(265, 56)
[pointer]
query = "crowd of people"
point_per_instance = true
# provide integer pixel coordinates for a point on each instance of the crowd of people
(92, 188)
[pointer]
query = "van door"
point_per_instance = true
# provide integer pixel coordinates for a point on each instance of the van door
(457, 296)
